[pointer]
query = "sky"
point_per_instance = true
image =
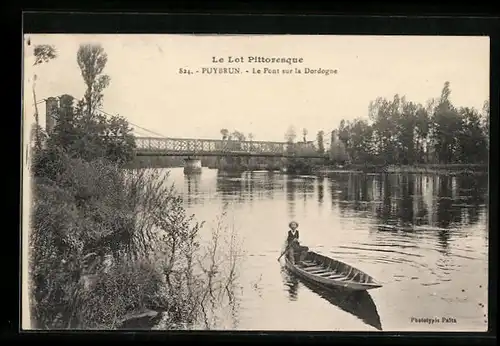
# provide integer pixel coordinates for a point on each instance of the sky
(148, 91)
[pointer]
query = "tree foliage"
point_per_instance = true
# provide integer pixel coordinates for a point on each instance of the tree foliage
(321, 141)
(237, 135)
(290, 134)
(485, 121)
(81, 129)
(44, 53)
(224, 133)
(399, 131)
(304, 134)
(338, 151)
(92, 59)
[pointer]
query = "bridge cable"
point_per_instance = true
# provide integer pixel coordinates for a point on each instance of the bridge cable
(140, 127)
(111, 115)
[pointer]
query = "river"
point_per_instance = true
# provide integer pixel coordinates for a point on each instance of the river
(438, 270)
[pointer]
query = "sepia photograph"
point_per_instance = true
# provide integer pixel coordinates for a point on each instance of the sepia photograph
(194, 182)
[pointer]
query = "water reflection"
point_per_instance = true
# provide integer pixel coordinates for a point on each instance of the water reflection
(321, 189)
(249, 186)
(307, 187)
(406, 207)
(357, 303)
(400, 200)
(291, 283)
(192, 187)
(290, 197)
(440, 203)
(406, 199)
(229, 184)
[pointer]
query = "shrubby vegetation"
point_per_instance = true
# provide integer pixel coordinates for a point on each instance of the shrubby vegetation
(107, 242)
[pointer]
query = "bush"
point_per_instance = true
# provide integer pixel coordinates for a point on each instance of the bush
(124, 288)
(105, 242)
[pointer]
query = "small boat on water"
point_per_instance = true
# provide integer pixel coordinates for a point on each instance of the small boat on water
(332, 273)
(357, 303)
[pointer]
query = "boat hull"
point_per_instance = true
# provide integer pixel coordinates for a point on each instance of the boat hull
(358, 303)
(345, 275)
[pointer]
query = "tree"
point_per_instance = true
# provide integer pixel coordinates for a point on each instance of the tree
(321, 141)
(118, 140)
(91, 138)
(472, 144)
(43, 54)
(405, 133)
(361, 134)
(304, 134)
(343, 133)
(250, 136)
(92, 59)
(485, 116)
(290, 134)
(111, 138)
(385, 117)
(240, 136)
(445, 95)
(337, 148)
(422, 132)
(84, 132)
(446, 124)
(353, 140)
(224, 133)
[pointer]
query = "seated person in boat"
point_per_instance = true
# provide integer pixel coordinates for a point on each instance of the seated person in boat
(296, 252)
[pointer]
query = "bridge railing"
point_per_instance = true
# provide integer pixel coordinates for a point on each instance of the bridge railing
(208, 145)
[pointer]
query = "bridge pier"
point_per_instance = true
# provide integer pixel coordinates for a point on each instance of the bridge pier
(192, 166)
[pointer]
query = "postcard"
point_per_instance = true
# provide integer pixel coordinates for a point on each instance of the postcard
(255, 182)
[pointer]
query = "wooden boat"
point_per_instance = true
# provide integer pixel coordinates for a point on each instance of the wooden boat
(357, 303)
(332, 273)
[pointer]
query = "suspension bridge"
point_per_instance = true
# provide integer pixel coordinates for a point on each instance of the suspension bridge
(151, 143)
(165, 146)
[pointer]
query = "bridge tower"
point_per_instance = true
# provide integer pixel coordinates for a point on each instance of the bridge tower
(192, 165)
(51, 106)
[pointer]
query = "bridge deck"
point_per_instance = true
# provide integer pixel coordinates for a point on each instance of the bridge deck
(150, 146)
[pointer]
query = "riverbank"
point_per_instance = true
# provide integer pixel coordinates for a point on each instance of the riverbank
(112, 248)
(442, 169)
